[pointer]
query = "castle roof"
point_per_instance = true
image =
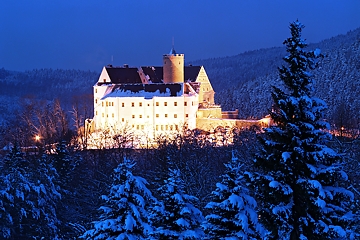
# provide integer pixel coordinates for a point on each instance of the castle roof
(145, 90)
(131, 75)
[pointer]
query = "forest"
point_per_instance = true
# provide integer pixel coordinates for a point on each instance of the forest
(297, 179)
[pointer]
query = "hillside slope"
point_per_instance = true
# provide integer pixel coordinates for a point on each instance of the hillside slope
(244, 81)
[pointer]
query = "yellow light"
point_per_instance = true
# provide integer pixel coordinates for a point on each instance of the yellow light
(37, 138)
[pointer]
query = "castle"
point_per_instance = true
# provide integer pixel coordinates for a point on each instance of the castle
(154, 101)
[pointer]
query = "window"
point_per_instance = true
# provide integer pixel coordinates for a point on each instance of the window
(137, 127)
(96, 113)
(107, 115)
(104, 80)
(122, 104)
(102, 104)
(95, 100)
(208, 100)
(112, 104)
(140, 116)
(175, 104)
(113, 115)
(148, 104)
(103, 115)
(147, 116)
(140, 104)
(165, 104)
(162, 127)
(133, 116)
(157, 128)
(95, 90)
(166, 115)
(171, 127)
(157, 104)
(123, 120)
(185, 104)
(106, 103)
(186, 115)
(157, 115)
(133, 104)
(133, 126)
(166, 127)
(175, 115)
(142, 127)
(192, 103)
(177, 127)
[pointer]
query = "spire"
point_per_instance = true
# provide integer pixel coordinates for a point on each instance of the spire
(172, 51)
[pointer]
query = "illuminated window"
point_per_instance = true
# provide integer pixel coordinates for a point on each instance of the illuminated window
(147, 116)
(123, 120)
(95, 90)
(137, 127)
(165, 104)
(171, 127)
(157, 127)
(95, 100)
(133, 126)
(166, 127)
(140, 116)
(192, 103)
(175, 104)
(96, 113)
(102, 114)
(102, 104)
(162, 127)
(106, 103)
(133, 116)
(185, 104)
(122, 104)
(140, 104)
(133, 104)
(157, 115)
(104, 80)
(142, 127)
(107, 115)
(157, 104)
(166, 115)
(175, 115)
(112, 104)
(186, 115)
(113, 115)
(177, 127)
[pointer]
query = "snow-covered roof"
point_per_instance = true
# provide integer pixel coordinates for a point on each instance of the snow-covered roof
(145, 90)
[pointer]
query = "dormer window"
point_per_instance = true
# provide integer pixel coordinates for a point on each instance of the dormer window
(104, 80)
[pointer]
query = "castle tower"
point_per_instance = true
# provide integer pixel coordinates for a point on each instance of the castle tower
(173, 67)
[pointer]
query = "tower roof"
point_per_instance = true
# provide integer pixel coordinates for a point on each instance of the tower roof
(172, 51)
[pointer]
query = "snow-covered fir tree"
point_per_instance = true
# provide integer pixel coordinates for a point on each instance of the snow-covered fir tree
(125, 214)
(232, 210)
(175, 216)
(300, 184)
(28, 198)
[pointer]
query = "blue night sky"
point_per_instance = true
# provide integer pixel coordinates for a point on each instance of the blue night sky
(86, 34)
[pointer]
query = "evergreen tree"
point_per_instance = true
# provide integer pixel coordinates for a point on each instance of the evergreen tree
(175, 216)
(27, 198)
(300, 182)
(232, 212)
(125, 213)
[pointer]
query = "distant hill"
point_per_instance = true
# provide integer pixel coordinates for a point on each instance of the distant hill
(244, 81)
